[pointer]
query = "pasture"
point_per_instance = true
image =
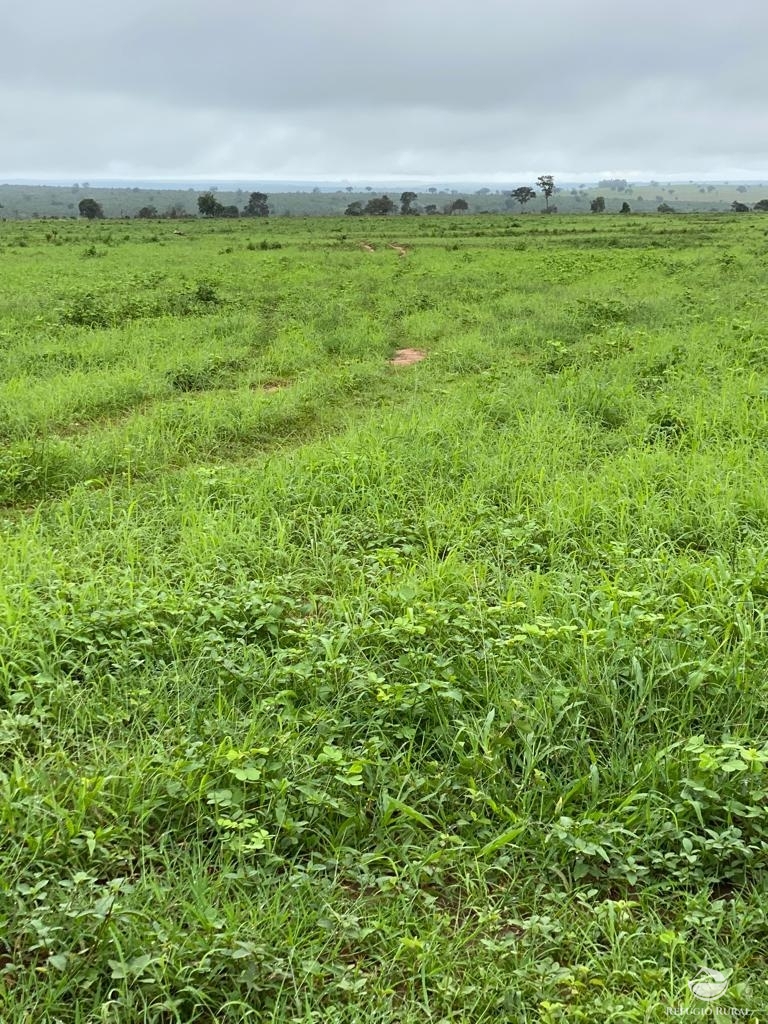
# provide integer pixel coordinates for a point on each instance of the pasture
(337, 691)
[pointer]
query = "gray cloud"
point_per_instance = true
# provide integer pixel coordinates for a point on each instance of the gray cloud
(299, 89)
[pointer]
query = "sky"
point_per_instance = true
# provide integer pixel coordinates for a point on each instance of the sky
(421, 91)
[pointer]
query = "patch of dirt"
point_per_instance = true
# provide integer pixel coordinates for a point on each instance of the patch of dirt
(399, 249)
(407, 357)
(270, 386)
(366, 247)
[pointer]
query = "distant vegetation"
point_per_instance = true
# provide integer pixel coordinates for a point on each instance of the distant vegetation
(22, 202)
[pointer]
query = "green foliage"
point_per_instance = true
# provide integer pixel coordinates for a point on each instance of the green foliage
(523, 194)
(209, 205)
(257, 205)
(407, 199)
(90, 209)
(379, 206)
(458, 206)
(112, 308)
(60, 202)
(331, 690)
(546, 185)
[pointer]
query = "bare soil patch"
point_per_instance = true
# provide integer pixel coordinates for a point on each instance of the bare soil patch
(366, 247)
(407, 357)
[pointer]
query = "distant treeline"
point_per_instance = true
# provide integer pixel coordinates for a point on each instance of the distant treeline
(614, 195)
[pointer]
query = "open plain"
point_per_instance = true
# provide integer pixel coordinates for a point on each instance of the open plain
(336, 690)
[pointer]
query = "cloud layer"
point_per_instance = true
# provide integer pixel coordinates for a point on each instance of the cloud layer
(303, 90)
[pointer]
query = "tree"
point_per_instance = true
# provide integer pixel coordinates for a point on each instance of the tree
(762, 205)
(407, 199)
(91, 209)
(209, 205)
(597, 205)
(738, 207)
(665, 208)
(458, 206)
(147, 213)
(257, 205)
(354, 209)
(229, 211)
(547, 185)
(625, 208)
(523, 194)
(379, 207)
(430, 209)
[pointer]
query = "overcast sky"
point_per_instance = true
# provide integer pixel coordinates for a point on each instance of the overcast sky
(493, 90)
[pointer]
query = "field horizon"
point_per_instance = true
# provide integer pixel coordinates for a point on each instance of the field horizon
(124, 199)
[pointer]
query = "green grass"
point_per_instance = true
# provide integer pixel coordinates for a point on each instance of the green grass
(334, 692)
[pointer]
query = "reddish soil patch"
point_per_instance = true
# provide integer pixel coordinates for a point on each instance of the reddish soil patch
(407, 357)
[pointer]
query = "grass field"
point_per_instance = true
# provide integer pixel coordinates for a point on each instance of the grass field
(334, 692)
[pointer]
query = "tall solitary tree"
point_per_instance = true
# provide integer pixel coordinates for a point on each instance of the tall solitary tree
(547, 185)
(457, 206)
(524, 194)
(597, 205)
(257, 205)
(407, 199)
(91, 209)
(209, 205)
